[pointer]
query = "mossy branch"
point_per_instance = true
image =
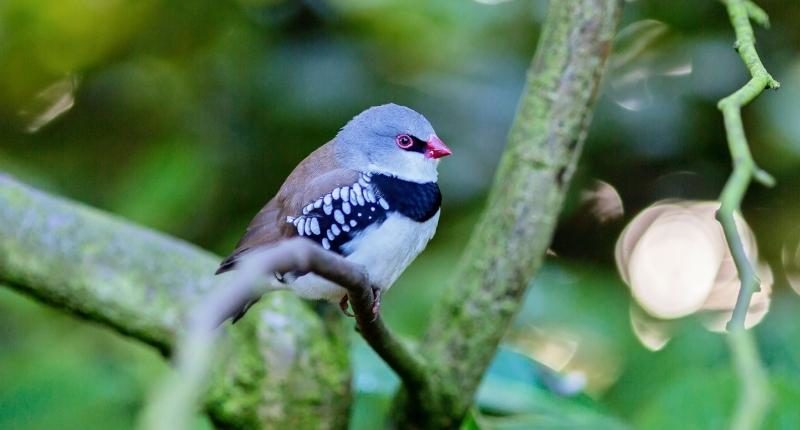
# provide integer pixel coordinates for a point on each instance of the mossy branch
(172, 406)
(516, 228)
(142, 283)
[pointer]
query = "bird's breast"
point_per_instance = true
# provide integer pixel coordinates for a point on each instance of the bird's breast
(337, 218)
(386, 250)
(380, 222)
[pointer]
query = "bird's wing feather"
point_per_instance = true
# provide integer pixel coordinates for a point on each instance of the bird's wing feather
(317, 175)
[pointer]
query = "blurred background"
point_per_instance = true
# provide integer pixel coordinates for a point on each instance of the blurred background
(186, 117)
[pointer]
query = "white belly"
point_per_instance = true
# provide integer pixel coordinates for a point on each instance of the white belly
(384, 250)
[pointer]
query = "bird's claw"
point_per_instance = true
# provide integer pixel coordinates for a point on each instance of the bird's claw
(344, 306)
(376, 304)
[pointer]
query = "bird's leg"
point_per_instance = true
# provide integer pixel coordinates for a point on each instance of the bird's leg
(344, 305)
(376, 304)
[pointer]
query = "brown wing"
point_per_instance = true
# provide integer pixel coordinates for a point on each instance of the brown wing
(314, 177)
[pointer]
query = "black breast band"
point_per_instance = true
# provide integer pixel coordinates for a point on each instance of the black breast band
(418, 201)
(333, 220)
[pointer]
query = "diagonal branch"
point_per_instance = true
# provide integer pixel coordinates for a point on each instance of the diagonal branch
(173, 405)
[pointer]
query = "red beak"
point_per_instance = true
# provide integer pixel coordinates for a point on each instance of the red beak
(436, 148)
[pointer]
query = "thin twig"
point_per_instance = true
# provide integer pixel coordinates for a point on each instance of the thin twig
(174, 404)
(754, 399)
(757, 15)
(744, 167)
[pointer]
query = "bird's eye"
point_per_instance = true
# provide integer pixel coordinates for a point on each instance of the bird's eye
(404, 141)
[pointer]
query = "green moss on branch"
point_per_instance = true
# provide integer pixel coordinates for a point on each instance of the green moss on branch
(141, 283)
(509, 242)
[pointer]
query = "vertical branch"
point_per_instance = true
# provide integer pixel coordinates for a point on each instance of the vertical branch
(509, 242)
(754, 398)
(744, 167)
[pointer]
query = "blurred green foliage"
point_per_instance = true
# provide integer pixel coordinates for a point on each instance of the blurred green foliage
(186, 116)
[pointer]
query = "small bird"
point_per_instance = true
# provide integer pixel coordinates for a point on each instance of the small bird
(370, 195)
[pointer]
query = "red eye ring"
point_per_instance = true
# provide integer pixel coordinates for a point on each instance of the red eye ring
(404, 141)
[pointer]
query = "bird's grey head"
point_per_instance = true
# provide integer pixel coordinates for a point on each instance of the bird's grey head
(393, 140)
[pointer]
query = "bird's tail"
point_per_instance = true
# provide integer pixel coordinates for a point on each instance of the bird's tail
(278, 282)
(273, 284)
(227, 264)
(238, 315)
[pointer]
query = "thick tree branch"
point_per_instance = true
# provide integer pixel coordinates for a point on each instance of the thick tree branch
(171, 408)
(754, 397)
(507, 247)
(141, 283)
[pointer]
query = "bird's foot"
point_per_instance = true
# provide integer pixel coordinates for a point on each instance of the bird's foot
(344, 305)
(376, 304)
